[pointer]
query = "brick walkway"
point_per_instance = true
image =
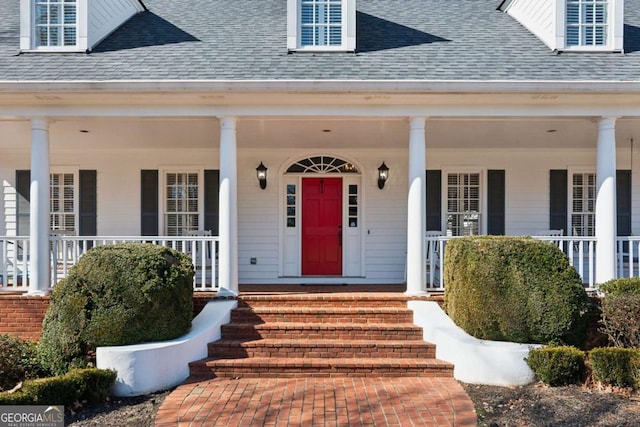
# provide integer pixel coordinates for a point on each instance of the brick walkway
(318, 402)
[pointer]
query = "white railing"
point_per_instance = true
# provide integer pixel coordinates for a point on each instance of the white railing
(580, 252)
(628, 256)
(203, 250)
(14, 263)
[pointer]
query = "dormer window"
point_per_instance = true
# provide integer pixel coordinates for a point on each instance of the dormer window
(321, 22)
(71, 25)
(572, 25)
(587, 22)
(321, 25)
(56, 23)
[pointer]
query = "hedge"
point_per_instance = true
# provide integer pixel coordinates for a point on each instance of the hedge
(91, 385)
(557, 366)
(514, 289)
(117, 295)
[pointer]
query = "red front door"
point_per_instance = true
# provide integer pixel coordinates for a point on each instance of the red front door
(322, 227)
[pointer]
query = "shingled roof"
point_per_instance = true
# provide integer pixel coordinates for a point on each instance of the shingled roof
(430, 40)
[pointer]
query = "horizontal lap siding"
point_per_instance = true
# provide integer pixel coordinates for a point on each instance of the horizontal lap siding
(386, 245)
(258, 212)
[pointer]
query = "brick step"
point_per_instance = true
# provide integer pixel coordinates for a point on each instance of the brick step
(324, 300)
(280, 348)
(269, 314)
(319, 367)
(334, 331)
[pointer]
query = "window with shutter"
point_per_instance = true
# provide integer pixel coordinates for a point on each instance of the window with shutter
(56, 23)
(587, 22)
(62, 202)
(583, 201)
(182, 203)
(463, 204)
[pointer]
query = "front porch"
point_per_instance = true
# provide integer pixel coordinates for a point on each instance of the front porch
(457, 164)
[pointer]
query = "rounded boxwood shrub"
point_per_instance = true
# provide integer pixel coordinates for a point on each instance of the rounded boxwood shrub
(514, 289)
(616, 366)
(117, 295)
(557, 366)
(621, 311)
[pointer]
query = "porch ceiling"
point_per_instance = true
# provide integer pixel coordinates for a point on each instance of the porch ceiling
(356, 133)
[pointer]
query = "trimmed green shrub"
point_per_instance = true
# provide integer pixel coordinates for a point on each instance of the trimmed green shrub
(557, 366)
(117, 295)
(621, 287)
(514, 289)
(91, 385)
(616, 366)
(621, 312)
(18, 361)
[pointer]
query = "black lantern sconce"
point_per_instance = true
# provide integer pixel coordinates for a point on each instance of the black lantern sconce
(383, 175)
(261, 173)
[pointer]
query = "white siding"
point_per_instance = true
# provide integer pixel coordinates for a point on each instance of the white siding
(107, 15)
(539, 17)
(260, 216)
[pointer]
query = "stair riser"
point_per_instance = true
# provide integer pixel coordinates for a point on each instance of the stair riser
(284, 372)
(258, 318)
(233, 333)
(322, 303)
(326, 353)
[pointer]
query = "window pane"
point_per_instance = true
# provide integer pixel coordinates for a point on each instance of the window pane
(54, 15)
(70, 14)
(69, 36)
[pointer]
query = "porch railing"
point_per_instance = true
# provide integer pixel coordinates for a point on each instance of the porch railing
(14, 263)
(65, 251)
(580, 252)
(203, 250)
(628, 252)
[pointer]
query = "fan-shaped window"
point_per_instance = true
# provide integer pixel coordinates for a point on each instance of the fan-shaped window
(322, 164)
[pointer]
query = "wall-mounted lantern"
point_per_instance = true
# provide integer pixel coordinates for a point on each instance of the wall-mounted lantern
(383, 175)
(261, 173)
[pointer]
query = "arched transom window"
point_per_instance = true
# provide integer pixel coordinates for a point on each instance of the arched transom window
(322, 164)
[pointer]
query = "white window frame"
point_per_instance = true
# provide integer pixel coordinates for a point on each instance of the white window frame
(163, 195)
(570, 212)
(481, 196)
(294, 29)
(29, 33)
(76, 198)
(614, 30)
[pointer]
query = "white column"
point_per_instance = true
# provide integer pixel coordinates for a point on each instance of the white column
(416, 209)
(606, 201)
(228, 233)
(39, 274)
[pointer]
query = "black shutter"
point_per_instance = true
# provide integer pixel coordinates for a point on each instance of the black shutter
(623, 197)
(23, 188)
(558, 199)
(495, 202)
(211, 200)
(149, 202)
(88, 203)
(434, 200)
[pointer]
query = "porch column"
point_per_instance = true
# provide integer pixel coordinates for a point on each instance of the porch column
(416, 209)
(228, 233)
(39, 273)
(605, 210)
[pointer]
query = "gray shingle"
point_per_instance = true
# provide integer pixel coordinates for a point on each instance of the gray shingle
(396, 40)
